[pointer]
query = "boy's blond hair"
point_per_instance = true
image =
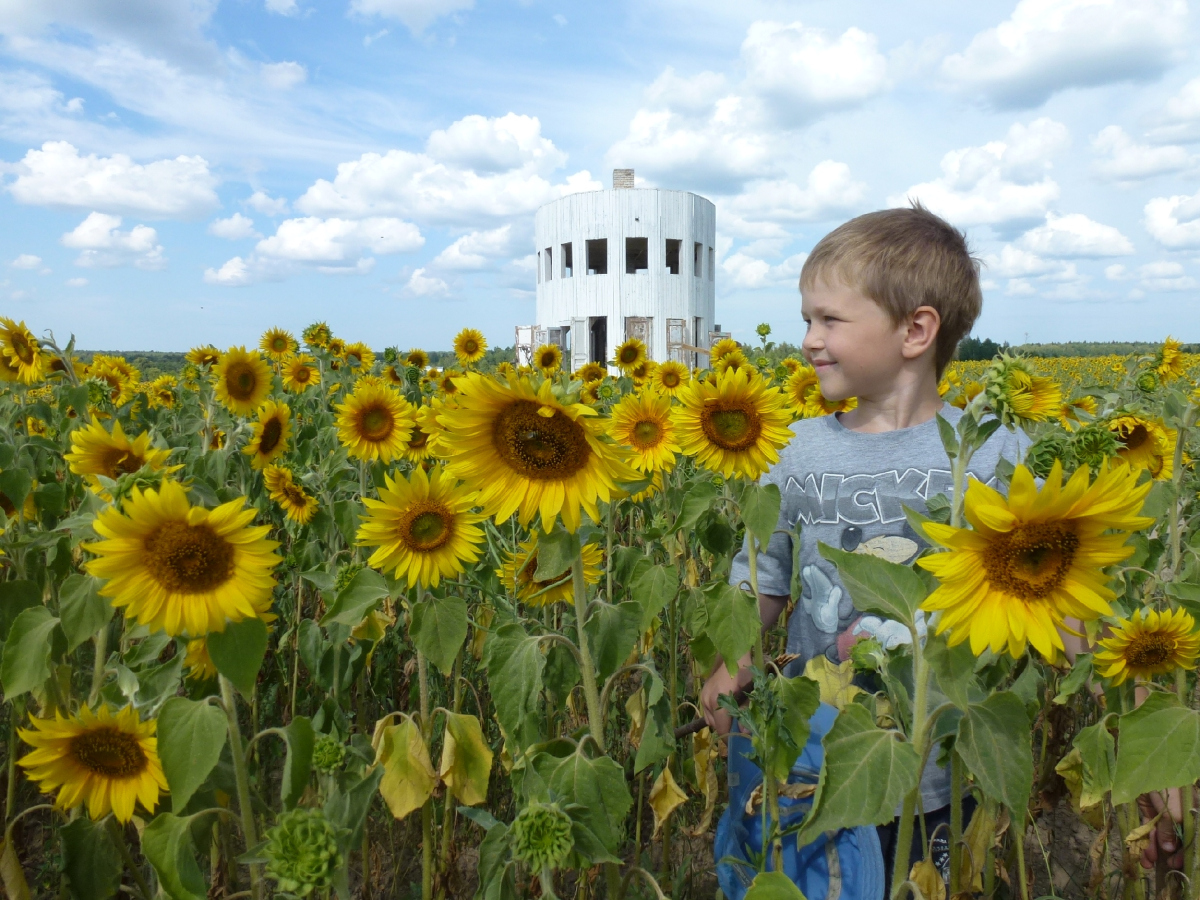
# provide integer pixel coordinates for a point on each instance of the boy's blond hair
(903, 259)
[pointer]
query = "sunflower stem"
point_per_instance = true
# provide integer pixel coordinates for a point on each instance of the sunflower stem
(98, 665)
(427, 809)
(296, 646)
(918, 737)
(242, 779)
(118, 835)
(587, 669)
(956, 821)
(1019, 834)
(10, 798)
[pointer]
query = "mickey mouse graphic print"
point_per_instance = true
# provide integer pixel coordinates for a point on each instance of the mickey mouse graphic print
(848, 489)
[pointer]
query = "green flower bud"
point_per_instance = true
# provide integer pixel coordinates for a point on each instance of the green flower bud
(1093, 444)
(763, 362)
(1148, 381)
(541, 836)
(302, 854)
(346, 574)
(865, 655)
(391, 355)
(763, 330)
(328, 754)
(1042, 455)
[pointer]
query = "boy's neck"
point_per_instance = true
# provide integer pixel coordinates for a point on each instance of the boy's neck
(904, 404)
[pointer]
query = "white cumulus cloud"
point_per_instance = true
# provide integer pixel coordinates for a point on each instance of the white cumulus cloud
(1120, 158)
(26, 261)
(262, 202)
(236, 228)
(417, 15)
(804, 71)
(313, 239)
(423, 285)
(478, 249)
(999, 182)
(1075, 236)
(235, 273)
(495, 145)
(747, 271)
(58, 176)
(77, 282)
(283, 75)
(1174, 221)
(830, 189)
(282, 7)
(102, 244)
(1165, 276)
(1048, 45)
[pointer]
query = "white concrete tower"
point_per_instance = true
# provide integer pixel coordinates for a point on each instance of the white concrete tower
(629, 262)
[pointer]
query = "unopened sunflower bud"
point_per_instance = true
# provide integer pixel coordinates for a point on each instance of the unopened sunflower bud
(328, 754)
(541, 836)
(302, 854)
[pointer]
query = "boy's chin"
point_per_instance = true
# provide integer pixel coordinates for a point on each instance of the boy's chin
(834, 391)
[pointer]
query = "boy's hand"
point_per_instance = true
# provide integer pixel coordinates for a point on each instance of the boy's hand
(1163, 839)
(721, 682)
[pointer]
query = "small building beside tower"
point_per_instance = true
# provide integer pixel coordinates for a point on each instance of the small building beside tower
(627, 262)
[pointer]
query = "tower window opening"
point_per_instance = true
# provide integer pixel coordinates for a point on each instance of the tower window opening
(597, 256)
(637, 255)
(673, 256)
(698, 260)
(568, 263)
(712, 264)
(549, 265)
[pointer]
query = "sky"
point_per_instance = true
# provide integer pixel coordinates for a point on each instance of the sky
(178, 172)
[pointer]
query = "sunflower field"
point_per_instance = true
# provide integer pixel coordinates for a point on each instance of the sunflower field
(309, 621)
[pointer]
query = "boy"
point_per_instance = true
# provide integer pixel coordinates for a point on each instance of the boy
(887, 297)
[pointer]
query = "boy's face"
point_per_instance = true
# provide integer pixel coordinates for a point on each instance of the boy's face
(852, 342)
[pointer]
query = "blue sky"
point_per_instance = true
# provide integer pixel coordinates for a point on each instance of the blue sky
(182, 171)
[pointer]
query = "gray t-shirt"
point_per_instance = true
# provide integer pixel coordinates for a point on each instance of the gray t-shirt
(848, 489)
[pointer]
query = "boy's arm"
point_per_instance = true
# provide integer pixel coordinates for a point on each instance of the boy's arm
(770, 607)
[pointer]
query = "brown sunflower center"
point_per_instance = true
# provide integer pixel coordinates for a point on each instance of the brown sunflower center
(670, 379)
(629, 355)
(1032, 561)
(1135, 437)
(241, 381)
(23, 348)
(1149, 650)
(6, 504)
(302, 375)
(544, 448)
(109, 752)
(117, 461)
(647, 433)
(419, 439)
(272, 433)
(470, 347)
(294, 494)
(526, 574)
(731, 427)
(548, 361)
(279, 344)
(188, 559)
(376, 423)
(426, 526)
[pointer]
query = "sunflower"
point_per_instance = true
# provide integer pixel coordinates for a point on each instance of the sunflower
(243, 380)
(591, 371)
(1148, 644)
(1072, 408)
(120, 377)
(791, 364)
(300, 373)
(29, 508)
(1146, 444)
(278, 344)
(643, 372)
(281, 487)
(518, 569)
(417, 357)
(161, 391)
(418, 447)
(317, 335)
(362, 353)
(446, 382)
(590, 392)
(336, 348)
(423, 528)
(374, 422)
(427, 421)
(643, 423)
(629, 354)
(548, 359)
(198, 663)
(183, 569)
(22, 351)
(8, 371)
(208, 355)
(732, 423)
(506, 370)
(470, 346)
(721, 349)
(105, 760)
(1017, 395)
(654, 487)
(803, 390)
(670, 377)
(526, 452)
(1033, 559)
(271, 433)
(1169, 363)
(735, 359)
(94, 451)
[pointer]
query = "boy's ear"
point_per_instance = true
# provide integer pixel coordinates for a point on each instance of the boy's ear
(923, 327)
